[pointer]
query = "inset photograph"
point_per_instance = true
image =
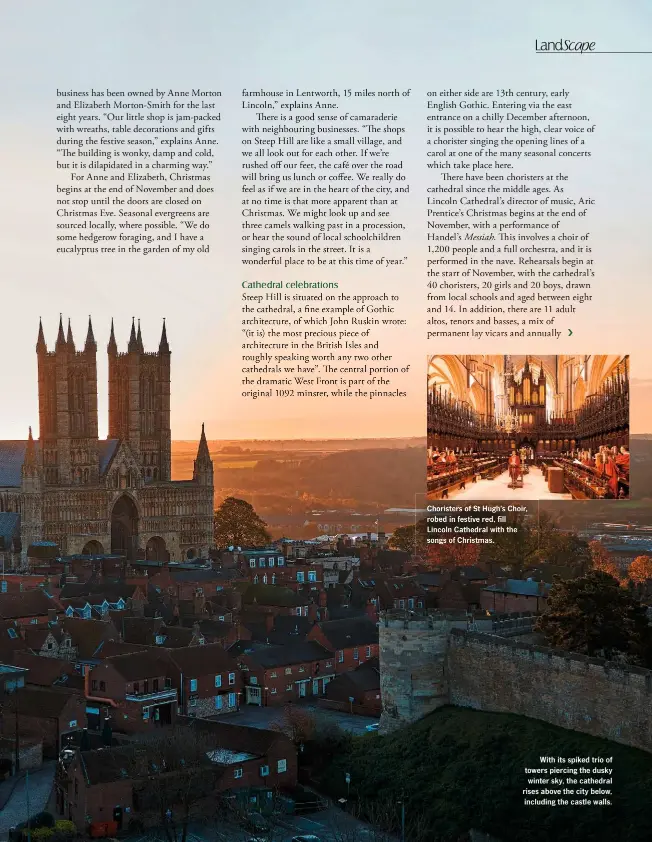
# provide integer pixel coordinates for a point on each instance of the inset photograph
(528, 427)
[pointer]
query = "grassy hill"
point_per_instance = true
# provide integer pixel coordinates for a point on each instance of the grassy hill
(464, 769)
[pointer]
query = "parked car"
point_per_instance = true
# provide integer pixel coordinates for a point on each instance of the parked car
(373, 727)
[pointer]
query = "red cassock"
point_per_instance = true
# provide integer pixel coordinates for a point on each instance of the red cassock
(611, 472)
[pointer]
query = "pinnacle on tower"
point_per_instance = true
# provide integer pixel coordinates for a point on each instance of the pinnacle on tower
(163, 347)
(69, 340)
(41, 347)
(30, 451)
(139, 339)
(133, 342)
(91, 344)
(112, 347)
(61, 339)
(202, 450)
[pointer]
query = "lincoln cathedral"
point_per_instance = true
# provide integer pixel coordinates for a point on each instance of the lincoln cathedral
(93, 496)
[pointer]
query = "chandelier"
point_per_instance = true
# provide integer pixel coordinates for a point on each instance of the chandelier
(507, 422)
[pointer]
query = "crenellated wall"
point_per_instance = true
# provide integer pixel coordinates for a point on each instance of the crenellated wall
(430, 662)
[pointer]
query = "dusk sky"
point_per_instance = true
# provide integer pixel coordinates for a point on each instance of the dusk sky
(426, 45)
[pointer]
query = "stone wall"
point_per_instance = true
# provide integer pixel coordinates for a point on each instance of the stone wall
(433, 661)
(573, 691)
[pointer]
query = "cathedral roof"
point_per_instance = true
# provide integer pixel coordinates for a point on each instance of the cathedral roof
(9, 528)
(107, 451)
(12, 456)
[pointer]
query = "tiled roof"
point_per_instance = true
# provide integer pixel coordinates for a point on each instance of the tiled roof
(342, 634)
(293, 653)
(34, 603)
(203, 660)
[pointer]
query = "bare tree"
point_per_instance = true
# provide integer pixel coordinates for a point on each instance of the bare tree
(174, 780)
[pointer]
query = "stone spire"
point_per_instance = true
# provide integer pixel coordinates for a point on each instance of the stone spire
(133, 342)
(112, 347)
(69, 340)
(139, 339)
(163, 347)
(91, 344)
(61, 339)
(203, 467)
(41, 347)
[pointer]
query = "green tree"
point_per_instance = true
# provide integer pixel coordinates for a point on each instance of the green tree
(594, 616)
(532, 542)
(238, 525)
(410, 539)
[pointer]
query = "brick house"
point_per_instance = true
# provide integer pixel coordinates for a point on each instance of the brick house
(515, 596)
(207, 678)
(353, 641)
(276, 675)
(358, 690)
(134, 690)
(100, 791)
(49, 713)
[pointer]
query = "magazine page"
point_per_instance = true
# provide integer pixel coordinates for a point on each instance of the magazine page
(325, 340)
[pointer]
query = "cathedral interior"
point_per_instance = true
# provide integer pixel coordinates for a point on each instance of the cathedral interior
(528, 427)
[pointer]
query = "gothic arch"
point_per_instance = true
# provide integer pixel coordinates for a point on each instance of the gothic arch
(124, 526)
(93, 548)
(155, 549)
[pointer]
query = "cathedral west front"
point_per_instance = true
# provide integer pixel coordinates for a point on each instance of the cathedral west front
(91, 496)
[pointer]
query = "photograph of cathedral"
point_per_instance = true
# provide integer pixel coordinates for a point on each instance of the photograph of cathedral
(525, 427)
(79, 494)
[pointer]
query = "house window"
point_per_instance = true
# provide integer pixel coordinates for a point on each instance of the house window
(274, 691)
(261, 562)
(264, 771)
(160, 639)
(218, 703)
(265, 579)
(368, 651)
(155, 685)
(328, 665)
(356, 655)
(4, 586)
(401, 603)
(340, 656)
(282, 766)
(273, 578)
(256, 579)
(193, 685)
(312, 575)
(271, 562)
(192, 702)
(237, 773)
(420, 604)
(411, 604)
(145, 713)
(281, 561)
(252, 562)
(288, 686)
(302, 669)
(168, 683)
(273, 674)
(102, 686)
(233, 700)
(12, 632)
(288, 670)
(218, 680)
(136, 687)
(34, 621)
(300, 576)
(231, 678)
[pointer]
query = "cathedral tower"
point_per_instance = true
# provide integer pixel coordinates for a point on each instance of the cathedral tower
(67, 385)
(139, 402)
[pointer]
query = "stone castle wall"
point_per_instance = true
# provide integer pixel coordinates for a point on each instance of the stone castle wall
(430, 662)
